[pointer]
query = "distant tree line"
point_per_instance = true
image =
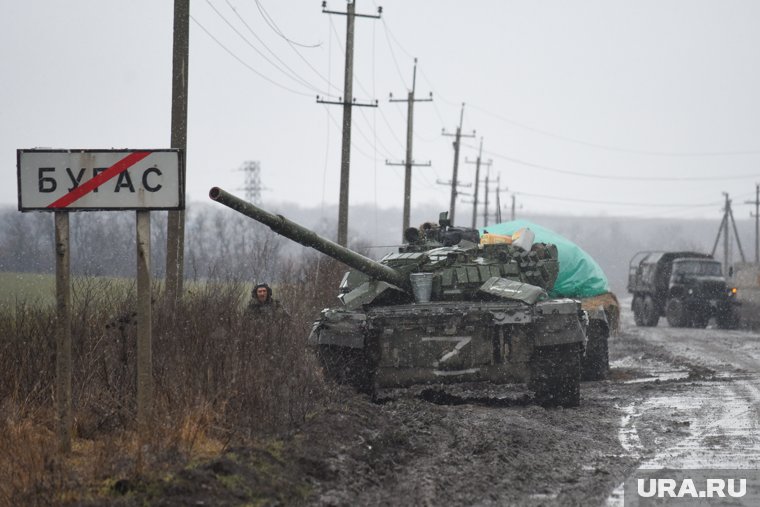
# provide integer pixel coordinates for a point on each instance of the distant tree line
(223, 243)
(218, 243)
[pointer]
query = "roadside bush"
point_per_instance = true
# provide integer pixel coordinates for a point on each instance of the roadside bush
(220, 377)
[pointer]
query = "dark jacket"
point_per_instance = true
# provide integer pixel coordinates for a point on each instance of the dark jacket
(270, 308)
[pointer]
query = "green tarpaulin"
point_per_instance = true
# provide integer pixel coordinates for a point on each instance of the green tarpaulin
(579, 274)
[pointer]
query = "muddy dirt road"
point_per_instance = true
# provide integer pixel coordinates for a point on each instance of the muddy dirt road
(683, 398)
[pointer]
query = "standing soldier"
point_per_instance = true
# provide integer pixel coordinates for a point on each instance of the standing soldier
(262, 304)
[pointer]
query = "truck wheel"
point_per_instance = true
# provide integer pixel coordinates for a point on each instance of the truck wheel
(637, 306)
(676, 313)
(555, 377)
(728, 320)
(347, 366)
(596, 363)
(651, 315)
(699, 320)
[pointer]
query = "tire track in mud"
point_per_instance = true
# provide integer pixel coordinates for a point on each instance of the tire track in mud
(510, 453)
(674, 397)
(720, 429)
(718, 415)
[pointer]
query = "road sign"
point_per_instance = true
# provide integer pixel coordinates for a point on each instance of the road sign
(58, 180)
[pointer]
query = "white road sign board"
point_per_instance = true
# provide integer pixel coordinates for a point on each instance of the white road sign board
(58, 180)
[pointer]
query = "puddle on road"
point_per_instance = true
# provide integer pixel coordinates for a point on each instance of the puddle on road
(719, 424)
(544, 496)
(660, 377)
(627, 434)
(648, 370)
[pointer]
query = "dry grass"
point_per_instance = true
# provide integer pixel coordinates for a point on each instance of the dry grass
(220, 379)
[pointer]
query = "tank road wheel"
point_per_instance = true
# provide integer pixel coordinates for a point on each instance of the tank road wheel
(650, 314)
(596, 363)
(348, 366)
(676, 313)
(637, 306)
(555, 376)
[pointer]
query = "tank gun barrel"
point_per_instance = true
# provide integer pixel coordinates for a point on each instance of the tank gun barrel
(306, 237)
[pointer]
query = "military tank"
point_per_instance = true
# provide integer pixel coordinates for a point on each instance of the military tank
(442, 309)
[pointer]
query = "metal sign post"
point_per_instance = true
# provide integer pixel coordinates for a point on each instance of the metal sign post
(78, 180)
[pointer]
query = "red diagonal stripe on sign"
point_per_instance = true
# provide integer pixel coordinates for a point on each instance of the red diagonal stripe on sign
(93, 183)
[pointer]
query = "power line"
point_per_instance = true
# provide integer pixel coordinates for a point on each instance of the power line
(395, 61)
(444, 99)
(591, 144)
(328, 118)
(409, 162)
(756, 216)
(728, 218)
(374, 119)
(355, 146)
(343, 51)
(416, 135)
(276, 29)
(616, 148)
(454, 178)
(267, 47)
(382, 145)
(388, 31)
(327, 157)
(348, 102)
(292, 45)
(615, 203)
(435, 104)
(246, 65)
(292, 75)
(615, 177)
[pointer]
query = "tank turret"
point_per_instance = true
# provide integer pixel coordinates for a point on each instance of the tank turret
(448, 259)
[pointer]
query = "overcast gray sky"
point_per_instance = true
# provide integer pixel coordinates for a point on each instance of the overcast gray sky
(632, 106)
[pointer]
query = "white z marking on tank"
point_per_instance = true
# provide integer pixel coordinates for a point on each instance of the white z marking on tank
(462, 341)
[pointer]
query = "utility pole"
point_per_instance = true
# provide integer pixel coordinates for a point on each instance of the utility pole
(498, 199)
(175, 225)
(454, 182)
(409, 162)
(488, 190)
(513, 207)
(728, 216)
(725, 235)
(498, 191)
(756, 216)
(477, 181)
(498, 205)
(348, 102)
(485, 206)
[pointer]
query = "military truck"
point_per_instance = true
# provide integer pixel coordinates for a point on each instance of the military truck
(687, 288)
(445, 308)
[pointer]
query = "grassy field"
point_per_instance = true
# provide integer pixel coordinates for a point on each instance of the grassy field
(31, 287)
(39, 289)
(223, 381)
